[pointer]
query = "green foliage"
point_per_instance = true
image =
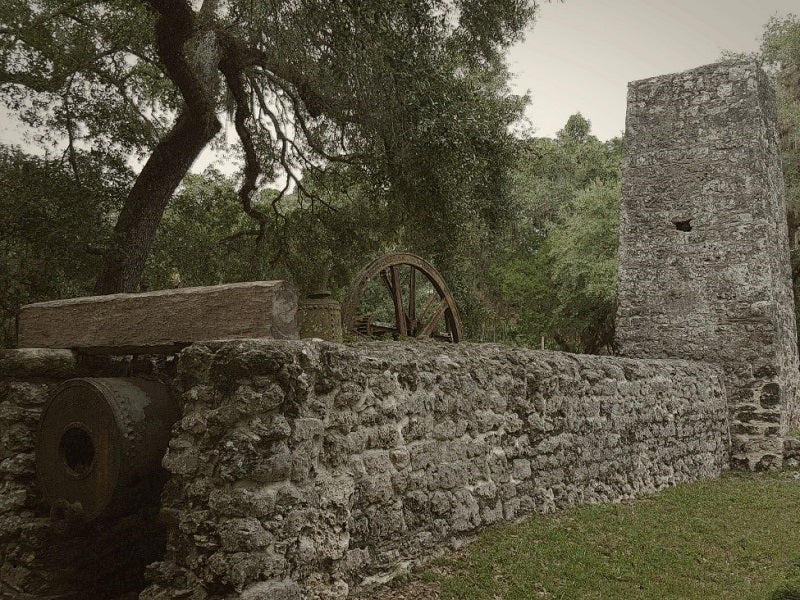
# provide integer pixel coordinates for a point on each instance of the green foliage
(583, 250)
(326, 239)
(523, 296)
(452, 212)
(52, 228)
(780, 47)
(84, 71)
(554, 278)
(577, 129)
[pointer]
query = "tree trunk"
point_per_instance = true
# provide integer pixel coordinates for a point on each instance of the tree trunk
(141, 214)
(191, 58)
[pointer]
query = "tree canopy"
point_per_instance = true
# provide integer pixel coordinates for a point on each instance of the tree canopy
(553, 279)
(373, 86)
(780, 48)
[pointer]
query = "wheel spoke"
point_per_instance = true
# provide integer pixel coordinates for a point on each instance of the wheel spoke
(386, 282)
(397, 297)
(431, 326)
(412, 297)
(429, 303)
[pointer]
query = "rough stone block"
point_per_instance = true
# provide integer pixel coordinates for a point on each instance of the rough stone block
(275, 590)
(37, 362)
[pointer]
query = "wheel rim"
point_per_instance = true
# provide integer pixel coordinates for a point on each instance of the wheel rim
(423, 305)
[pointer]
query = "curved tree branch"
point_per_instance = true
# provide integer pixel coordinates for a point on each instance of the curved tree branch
(231, 70)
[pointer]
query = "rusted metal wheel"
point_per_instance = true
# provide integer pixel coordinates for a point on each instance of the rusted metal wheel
(423, 306)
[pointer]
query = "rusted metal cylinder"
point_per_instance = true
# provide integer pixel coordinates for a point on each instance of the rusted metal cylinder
(320, 316)
(98, 440)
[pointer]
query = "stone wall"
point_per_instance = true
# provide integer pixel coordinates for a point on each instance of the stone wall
(25, 379)
(304, 469)
(704, 254)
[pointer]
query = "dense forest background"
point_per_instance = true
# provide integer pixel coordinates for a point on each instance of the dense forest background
(523, 228)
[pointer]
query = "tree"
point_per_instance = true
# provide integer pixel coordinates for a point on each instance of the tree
(583, 249)
(307, 84)
(554, 278)
(780, 47)
(46, 222)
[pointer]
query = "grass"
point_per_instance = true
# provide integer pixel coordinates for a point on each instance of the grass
(733, 538)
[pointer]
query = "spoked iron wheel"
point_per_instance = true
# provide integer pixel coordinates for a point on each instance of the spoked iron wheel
(422, 305)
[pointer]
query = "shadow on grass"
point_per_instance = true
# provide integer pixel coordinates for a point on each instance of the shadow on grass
(787, 591)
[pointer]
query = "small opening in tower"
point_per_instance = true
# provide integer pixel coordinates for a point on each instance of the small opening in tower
(683, 225)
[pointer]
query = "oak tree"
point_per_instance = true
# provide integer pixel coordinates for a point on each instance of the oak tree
(304, 83)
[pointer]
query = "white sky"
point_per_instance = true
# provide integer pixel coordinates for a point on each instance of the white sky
(581, 54)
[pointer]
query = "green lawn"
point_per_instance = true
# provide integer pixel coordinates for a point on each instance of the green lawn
(737, 538)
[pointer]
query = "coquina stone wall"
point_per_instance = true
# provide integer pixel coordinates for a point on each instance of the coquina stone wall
(25, 380)
(304, 469)
(704, 253)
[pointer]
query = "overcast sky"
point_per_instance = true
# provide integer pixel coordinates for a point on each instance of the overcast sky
(581, 54)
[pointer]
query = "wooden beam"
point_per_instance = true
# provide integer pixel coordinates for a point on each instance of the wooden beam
(161, 321)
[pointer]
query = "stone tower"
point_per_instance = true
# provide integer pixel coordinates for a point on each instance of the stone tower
(704, 251)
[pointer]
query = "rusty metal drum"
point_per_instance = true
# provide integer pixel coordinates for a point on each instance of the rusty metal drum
(98, 439)
(320, 316)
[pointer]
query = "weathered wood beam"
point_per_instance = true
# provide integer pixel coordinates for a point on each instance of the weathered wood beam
(161, 321)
